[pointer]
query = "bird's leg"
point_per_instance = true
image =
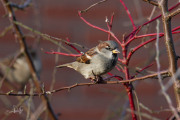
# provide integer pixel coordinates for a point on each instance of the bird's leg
(97, 79)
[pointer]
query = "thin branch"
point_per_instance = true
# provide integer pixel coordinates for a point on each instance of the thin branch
(65, 54)
(115, 76)
(26, 4)
(151, 34)
(72, 46)
(93, 5)
(173, 13)
(173, 7)
(120, 70)
(23, 48)
(137, 104)
(109, 25)
(153, 111)
(139, 46)
(48, 37)
(172, 80)
(148, 25)
(6, 30)
(148, 41)
(167, 97)
(54, 70)
(145, 115)
(148, 22)
(151, 76)
(96, 27)
(38, 112)
(153, 2)
(163, 4)
(139, 71)
(129, 14)
(29, 104)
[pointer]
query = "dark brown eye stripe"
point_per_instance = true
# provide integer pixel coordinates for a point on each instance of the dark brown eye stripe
(102, 45)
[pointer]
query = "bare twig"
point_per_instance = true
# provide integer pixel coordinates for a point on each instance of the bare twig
(38, 112)
(137, 104)
(148, 22)
(152, 111)
(172, 80)
(55, 70)
(145, 115)
(65, 54)
(73, 47)
(93, 6)
(129, 14)
(48, 37)
(147, 27)
(173, 13)
(142, 69)
(98, 28)
(26, 4)
(23, 48)
(153, 2)
(5, 30)
(163, 4)
(163, 73)
(109, 24)
(30, 101)
(168, 99)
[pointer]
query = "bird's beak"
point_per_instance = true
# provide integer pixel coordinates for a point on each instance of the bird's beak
(115, 51)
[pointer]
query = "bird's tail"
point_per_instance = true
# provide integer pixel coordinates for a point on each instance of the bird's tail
(65, 65)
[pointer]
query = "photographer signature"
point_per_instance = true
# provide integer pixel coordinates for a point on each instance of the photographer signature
(15, 110)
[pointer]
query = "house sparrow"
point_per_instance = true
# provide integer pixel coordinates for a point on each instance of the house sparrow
(97, 61)
(15, 68)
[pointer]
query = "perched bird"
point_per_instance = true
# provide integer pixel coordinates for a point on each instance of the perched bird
(97, 61)
(15, 68)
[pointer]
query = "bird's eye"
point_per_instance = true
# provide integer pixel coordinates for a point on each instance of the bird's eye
(108, 48)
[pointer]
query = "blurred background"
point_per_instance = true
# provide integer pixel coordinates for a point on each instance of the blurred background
(59, 18)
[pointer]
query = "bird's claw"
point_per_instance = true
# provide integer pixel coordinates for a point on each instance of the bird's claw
(97, 80)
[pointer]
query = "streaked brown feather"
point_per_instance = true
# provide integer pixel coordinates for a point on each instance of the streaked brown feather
(84, 59)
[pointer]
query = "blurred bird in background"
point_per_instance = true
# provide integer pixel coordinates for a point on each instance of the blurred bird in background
(15, 68)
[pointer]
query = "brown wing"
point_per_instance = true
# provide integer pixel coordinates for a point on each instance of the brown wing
(83, 59)
(86, 58)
